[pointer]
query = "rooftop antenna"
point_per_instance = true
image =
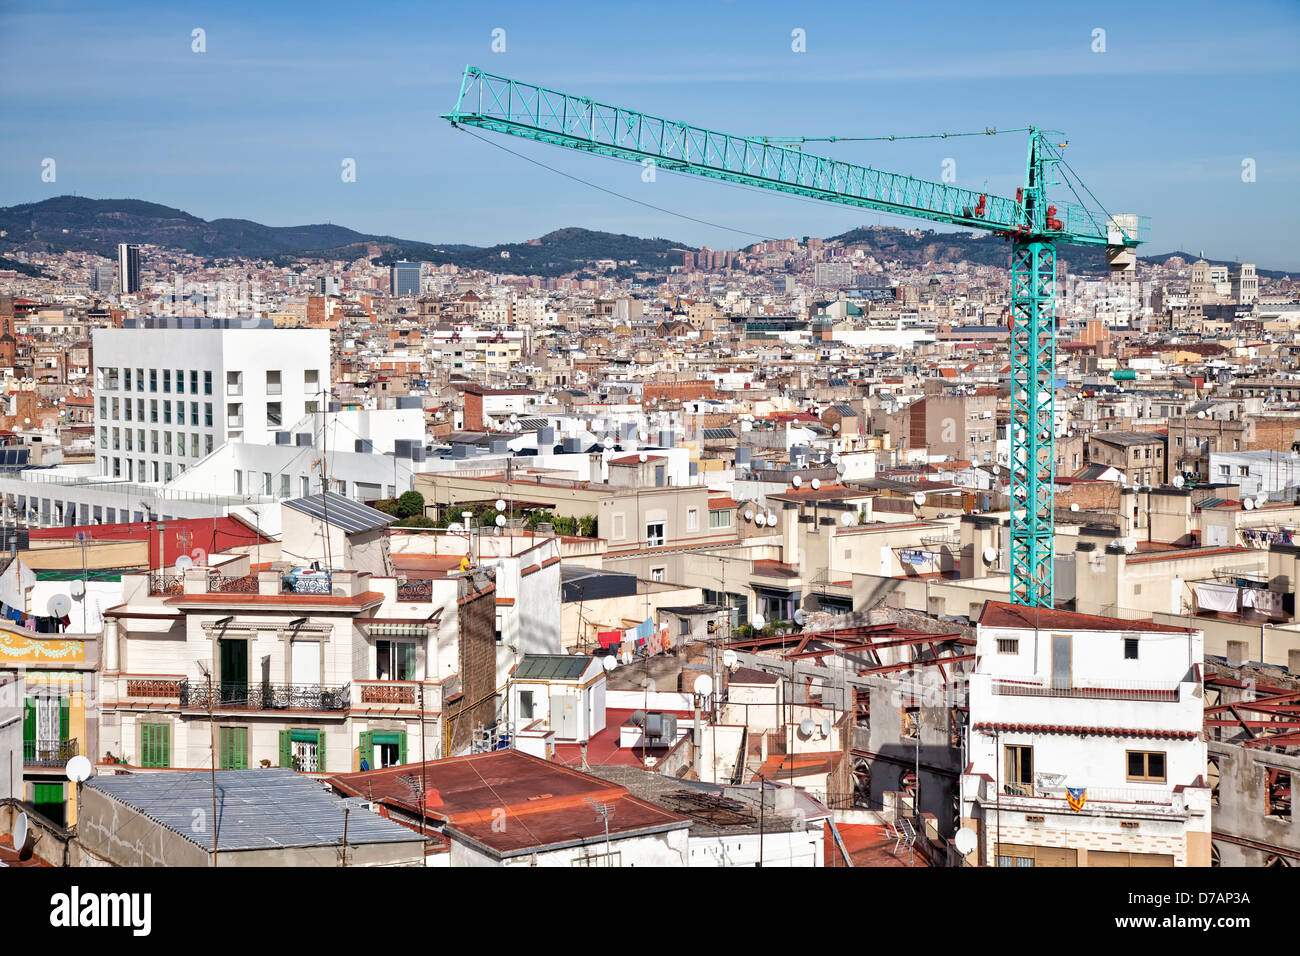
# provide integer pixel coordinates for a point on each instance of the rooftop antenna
(604, 811)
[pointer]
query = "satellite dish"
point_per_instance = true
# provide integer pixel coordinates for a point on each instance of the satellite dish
(846, 519)
(608, 663)
(1130, 544)
(184, 563)
(1248, 504)
(21, 833)
(59, 605)
(500, 521)
(826, 727)
(78, 768)
(501, 504)
(835, 427)
(760, 520)
(1179, 481)
(749, 514)
(796, 481)
(835, 459)
(455, 526)
(78, 589)
(919, 497)
(966, 841)
(703, 685)
(990, 555)
(758, 620)
(798, 616)
(642, 457)
(730, 659)
(839, 468)
(1074, 506)
(816, 483)
(806, 726)
(1260, 501)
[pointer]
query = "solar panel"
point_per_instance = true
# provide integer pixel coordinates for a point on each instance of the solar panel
(351, 516)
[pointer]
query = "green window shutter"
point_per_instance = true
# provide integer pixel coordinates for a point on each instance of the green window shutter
(165, 745)
(64, 717)
(320, 751)
(155, 745)
(29, 719)
(241, 755)
(285, 757)
(401, 747)
(234, 748)
(367, 748)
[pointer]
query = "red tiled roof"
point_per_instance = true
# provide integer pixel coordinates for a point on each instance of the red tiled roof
(1092, 731)
(1003, 614)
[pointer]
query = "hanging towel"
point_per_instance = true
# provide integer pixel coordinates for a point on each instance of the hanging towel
(1216, 597)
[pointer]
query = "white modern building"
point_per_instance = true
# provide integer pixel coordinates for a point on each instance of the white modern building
(169, 391)
(1084, 746)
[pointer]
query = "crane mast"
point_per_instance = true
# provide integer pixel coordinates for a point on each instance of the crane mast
(1030, 221)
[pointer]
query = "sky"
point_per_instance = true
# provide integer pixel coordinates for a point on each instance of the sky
(258, 124)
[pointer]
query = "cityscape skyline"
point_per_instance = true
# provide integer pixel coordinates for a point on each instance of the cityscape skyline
(1160, 122)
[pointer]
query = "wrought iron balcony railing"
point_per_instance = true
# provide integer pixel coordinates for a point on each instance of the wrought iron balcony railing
(1113, 690)
(49, 753)
(264, 696)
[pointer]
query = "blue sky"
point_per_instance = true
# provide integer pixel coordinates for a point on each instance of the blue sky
(258, 125)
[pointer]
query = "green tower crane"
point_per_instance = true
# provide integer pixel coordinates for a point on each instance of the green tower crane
(1031, 222)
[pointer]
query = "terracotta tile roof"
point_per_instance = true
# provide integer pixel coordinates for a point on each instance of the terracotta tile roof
(1091, 731)
(1003, 614)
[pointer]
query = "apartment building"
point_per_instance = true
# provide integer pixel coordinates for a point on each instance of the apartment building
(169, 391)
(1084, 743)
(1140, 456)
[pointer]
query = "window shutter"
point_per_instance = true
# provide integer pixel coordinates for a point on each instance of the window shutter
(366, 751)
(64, 717)
(401, 747)
(285, 756)
(164, 745)
(29, 719)
(320, 751)
(241, 755)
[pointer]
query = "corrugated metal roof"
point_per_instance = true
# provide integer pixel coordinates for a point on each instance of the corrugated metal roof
(257, 809)
(713, 434)
(551, 667)
(351, 516)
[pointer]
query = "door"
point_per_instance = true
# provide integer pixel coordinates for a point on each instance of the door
(48, 800)
(565, 708)
(306, 663)
(1062, 657)
(234, 671)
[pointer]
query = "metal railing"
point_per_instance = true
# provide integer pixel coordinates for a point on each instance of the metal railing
(49, 753)
(1161, 796)
(264, 696)
(1113, 690)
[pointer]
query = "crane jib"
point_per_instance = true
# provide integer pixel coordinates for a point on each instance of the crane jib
(1031, 221)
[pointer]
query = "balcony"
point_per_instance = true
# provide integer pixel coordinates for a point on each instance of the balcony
(49, 753)
(389, 692)
(153, 687)
(194, 695)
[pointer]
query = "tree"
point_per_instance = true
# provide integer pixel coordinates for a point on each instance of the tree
(416, 521)
(587, 526)
(410, 504)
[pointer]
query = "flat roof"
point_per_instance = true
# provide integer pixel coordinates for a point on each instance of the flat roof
(262, 809)
(1002, 614)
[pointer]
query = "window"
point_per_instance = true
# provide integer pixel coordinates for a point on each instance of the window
(620, 527)
(194, 382)
(233, 747)
(654, 534)
(395, 660)
(303, 750)
(1008, 645)
(207, 414)
(273, 413)
(1018, 775)
(153, 380)
(526, 704)
(692, 519)
(1146, 765)
(167, 380)
(234, 383)
(285, 490)
(194, 413)
(657, 574)
(153, 409)
(139, 380)
(207, 383)
(387, 749)
(719, 519)
(273, 383)
(1279, 794)
(155, 745)
(1130, 648)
